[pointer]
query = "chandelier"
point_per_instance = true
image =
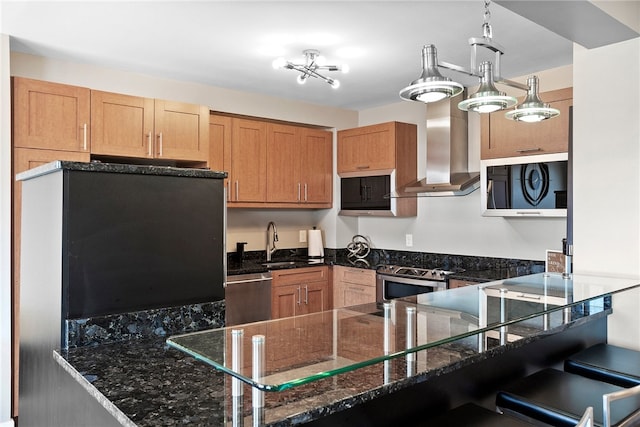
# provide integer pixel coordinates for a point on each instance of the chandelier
(313, 63)
(431, 86)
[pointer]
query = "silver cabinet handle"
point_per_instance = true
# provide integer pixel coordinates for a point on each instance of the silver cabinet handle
(362, 167)
(306, 198)
(306, 294)
(237, 198)
(298, 191)
(298, 295)
(149, 144)
(228, 190)
(160, 144)
(84, 137)
(529, 213)
(529, 150)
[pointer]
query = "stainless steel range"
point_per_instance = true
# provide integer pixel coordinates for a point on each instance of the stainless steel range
(394, 281)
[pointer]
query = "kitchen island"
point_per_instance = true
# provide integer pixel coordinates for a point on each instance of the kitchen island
(145, 382)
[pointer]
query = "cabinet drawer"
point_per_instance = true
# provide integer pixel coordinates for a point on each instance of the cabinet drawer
(299, 275)
(358, 276)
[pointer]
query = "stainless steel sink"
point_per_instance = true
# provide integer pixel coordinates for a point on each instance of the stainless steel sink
(278, 264)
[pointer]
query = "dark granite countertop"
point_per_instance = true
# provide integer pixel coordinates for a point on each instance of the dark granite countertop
(146, 383)
(119, 168)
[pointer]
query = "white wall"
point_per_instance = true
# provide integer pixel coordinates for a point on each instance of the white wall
(607, 174)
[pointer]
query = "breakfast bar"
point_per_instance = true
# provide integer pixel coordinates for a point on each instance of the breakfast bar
(419, 356)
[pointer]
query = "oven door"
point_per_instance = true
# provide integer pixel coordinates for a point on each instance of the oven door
(390, 287)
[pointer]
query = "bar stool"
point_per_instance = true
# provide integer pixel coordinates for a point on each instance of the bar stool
(608, 363)
(558, 398)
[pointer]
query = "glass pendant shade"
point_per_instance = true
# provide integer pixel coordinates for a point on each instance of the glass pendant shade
(431, 86)
(532, 109)
(487, 99)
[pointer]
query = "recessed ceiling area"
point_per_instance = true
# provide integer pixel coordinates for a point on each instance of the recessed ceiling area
(232, 44)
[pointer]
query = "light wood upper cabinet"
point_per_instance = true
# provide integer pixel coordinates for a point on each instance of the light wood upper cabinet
(283, 163)
(182, 131)
(272, 165)
(501, 137)
(122, 125)
(299, 165)
(367, 148)
(131, 126)
(248, 161)
(317, 166)
(51, 116)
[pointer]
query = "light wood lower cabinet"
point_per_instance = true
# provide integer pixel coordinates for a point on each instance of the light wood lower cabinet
(353, 286)
(305, 338)
(300, 291)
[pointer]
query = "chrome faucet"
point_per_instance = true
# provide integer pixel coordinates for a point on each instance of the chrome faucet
(271, 242)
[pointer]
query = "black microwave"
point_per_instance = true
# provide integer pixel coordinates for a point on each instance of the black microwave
(366, 195)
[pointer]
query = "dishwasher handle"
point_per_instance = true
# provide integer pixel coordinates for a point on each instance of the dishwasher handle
(247, 278)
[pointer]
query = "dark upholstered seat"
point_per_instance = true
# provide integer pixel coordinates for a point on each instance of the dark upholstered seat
(471, 415)
(604, 362)
(559, 398)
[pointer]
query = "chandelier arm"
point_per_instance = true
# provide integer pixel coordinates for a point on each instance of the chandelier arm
(512, 84)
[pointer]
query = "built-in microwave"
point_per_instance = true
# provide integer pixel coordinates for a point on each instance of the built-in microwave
(532, 186)
(367, 195)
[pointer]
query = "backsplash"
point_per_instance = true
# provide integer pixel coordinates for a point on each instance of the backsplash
(144, 324)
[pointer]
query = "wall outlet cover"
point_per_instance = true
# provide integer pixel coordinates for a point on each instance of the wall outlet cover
(408, 240)
(303, 236)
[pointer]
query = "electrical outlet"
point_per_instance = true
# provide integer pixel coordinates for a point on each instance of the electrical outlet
(303, 236)
(408, 240)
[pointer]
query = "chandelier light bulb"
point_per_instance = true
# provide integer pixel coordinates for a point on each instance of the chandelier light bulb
(302, 79)
(344, 68)
(279, 63)
(334, 83)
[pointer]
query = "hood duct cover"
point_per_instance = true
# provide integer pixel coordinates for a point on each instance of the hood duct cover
(447, 154)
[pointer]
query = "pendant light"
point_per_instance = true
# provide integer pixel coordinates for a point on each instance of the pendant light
(431, 86)
(532, 109)
(487, 99)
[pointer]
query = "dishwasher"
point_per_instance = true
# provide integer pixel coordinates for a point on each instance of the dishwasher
(247, 298)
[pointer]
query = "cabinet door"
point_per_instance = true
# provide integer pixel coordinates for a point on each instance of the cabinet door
(50, 116)
(182, 131)
(367, 148)
(315, 297)
(358, 294)
(248, 161)
(283, 163)
(317, 166)
(501, 137)
(285, 301)
(121, 125)
(23, 160)
(220, 130)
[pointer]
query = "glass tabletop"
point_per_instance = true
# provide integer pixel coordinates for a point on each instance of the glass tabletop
(279, 354)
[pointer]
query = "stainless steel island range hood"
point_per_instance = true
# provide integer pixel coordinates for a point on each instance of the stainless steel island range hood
(447, 154)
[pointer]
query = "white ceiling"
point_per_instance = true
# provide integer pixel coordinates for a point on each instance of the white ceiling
(231, 44)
